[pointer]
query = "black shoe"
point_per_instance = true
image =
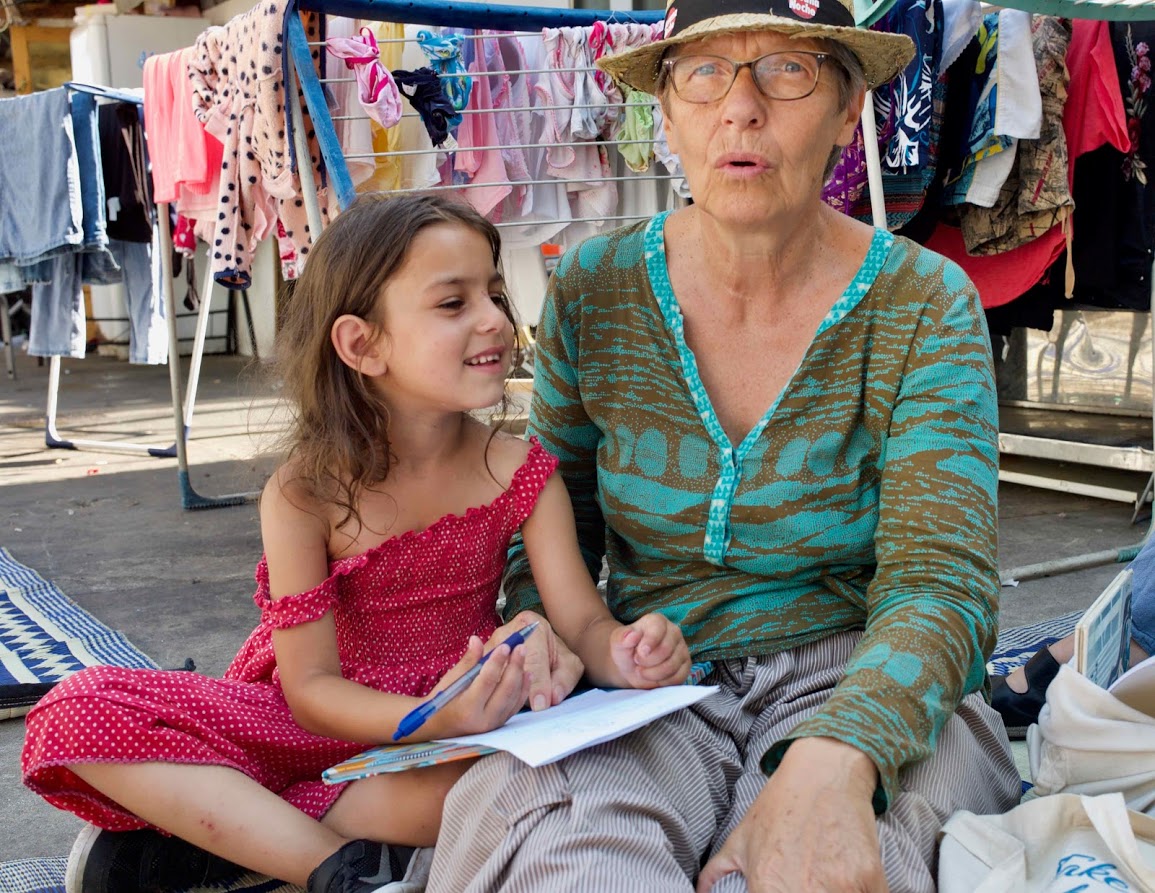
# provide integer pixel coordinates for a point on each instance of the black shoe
(360, 866)
(141, 862)
(1022, 710)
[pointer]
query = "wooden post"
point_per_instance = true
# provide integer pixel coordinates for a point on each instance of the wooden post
(22, 36)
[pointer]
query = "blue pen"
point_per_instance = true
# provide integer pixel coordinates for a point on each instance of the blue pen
(416, 717)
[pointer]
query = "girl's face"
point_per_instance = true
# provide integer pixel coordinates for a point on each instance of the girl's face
(449, 345)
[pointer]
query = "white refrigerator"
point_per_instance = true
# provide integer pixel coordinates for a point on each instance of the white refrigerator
(110, 50)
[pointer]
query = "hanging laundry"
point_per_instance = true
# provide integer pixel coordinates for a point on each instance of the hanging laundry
(41, 215)
(846, 188)
(635, 137)
(386, 171)
(144, 299)
(1093, 116)
(1114, 218)
(512, 117)
(444, 54)
(570, 94)
(542, 211)
(961, 20)
(419, 165)
(52, 206)
(981, 140)
(1018, 106)
(1036, 195)
(423, 90)
(57, 325)
(669, 160)
(351, 124)
(479, 155)
(908, 115)
(377, 91)
(127, 197)
(601, 42)
(97, 265)
(238, 74)
(184, 236)
(903, 107)
(606, 38)
(188, 169)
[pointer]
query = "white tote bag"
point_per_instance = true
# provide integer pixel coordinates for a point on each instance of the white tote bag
(1065, 843)
(1092, 741)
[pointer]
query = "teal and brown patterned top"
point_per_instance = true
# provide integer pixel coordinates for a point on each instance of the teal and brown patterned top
(863, 499)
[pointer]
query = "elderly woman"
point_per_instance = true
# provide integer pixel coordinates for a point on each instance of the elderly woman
(778, 426)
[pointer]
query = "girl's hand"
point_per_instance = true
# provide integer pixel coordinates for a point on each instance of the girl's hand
(552, 669)
(650, 652)
(493, 697)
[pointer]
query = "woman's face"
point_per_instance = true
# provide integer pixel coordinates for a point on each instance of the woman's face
(750, 160)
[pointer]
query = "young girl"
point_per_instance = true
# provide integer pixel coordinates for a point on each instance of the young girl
(385, 533)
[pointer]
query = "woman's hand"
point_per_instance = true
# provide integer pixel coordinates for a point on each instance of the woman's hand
(552, 669)
(650, 652)
(811, 828)
(493, 697)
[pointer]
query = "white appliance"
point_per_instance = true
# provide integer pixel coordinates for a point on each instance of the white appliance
(109, 50)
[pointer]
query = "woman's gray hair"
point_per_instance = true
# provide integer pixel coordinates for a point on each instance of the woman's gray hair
(851, 81)
(851, 77)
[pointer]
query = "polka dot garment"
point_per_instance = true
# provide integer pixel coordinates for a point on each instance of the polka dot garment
(238, 73)
(403, 613)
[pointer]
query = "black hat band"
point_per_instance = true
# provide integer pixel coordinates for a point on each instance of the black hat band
(681, 14)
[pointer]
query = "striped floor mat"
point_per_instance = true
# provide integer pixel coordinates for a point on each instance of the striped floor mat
(47, 876)
(45, 636)
(1017, 645)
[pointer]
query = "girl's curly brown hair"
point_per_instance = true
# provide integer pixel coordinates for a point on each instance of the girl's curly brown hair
(338, 440)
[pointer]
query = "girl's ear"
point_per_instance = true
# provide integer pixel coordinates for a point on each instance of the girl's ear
(360, 345)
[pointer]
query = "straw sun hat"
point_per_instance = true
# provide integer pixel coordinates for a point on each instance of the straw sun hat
(882, 55)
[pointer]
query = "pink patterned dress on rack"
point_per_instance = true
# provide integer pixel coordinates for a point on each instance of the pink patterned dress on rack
(403, 610)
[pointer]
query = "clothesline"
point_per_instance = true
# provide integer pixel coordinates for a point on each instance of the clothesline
(518, 108)
(573, 145)
(467, 74)
(551, 182)
(488, 36)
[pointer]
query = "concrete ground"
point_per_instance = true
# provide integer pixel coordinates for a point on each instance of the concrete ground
(108, 528)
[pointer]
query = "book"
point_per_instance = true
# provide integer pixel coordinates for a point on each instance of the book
(1103, 633)
(399, 757)
(537, 738)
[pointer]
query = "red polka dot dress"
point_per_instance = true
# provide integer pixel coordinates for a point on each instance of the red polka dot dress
(403, 611)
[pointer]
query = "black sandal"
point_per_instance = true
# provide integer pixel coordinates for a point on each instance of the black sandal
(1020, 710)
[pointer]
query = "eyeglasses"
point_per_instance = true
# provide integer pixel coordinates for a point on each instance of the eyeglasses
(784, 75)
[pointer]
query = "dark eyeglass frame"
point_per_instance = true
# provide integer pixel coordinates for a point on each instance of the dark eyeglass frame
(668, 67)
